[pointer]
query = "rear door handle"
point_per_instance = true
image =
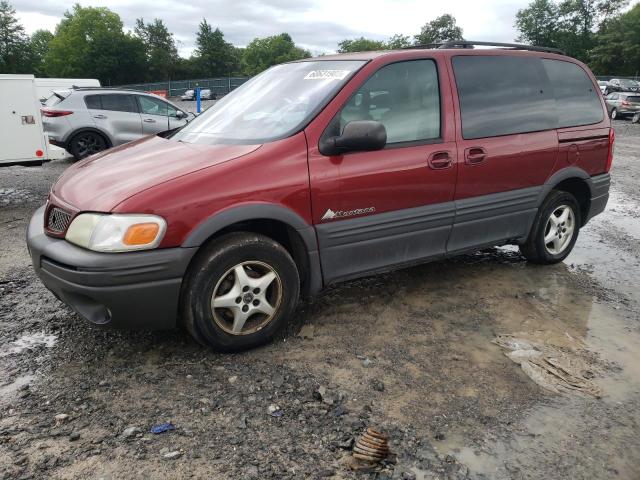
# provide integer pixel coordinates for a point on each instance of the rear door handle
(440, 160)
(149, 120)
(475, 155)
(101, 117)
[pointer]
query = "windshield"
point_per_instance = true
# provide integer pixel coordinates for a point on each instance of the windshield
(272, 105)
(628, 83)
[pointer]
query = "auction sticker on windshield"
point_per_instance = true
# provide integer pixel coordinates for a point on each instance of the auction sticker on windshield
(327, 75)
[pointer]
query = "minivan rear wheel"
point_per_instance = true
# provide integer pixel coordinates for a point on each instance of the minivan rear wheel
(84, 144)
(555, 229)
(240, 291)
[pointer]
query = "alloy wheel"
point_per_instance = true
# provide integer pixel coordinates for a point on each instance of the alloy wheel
(559, 230)
(246, 298)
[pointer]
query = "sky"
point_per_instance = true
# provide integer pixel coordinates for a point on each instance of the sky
(317, 25)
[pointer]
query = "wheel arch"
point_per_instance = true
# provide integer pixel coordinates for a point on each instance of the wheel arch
(102, 133)
(575, 181)
(277, 222)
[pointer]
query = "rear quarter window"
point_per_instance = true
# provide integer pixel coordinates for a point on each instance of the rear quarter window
(93, 102)
(119, 103)
(578, 100)
(502, 95)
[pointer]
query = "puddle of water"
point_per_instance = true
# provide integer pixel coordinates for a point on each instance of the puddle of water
(9, 390)
(624, 213)
(30, 341)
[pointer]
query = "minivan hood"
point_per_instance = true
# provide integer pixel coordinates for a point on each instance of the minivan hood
(103, 181)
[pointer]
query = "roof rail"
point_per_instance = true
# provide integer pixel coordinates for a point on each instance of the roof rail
(75, 87)
(513, 46)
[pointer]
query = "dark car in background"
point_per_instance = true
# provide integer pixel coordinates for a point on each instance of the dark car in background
(622, 104)
(622, 85)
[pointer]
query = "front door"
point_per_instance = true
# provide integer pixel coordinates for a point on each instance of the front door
(157, 115)
(373, 210)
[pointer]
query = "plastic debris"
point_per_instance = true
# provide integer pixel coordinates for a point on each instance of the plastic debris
(556, 369)
(163, 427)
(275, 411)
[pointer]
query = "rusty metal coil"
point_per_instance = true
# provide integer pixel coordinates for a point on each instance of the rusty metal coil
(372, 446)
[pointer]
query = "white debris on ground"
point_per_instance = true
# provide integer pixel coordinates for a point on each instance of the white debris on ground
(566, 369)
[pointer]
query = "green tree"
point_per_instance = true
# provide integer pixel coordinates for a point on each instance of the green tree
(15, 54)
(39, 46)
(538, 23)
(360, 45)
(263, 53)
(214, 56)
(569, 25)
(160, 48)
(398, 41)
(617, 45)
(442, 29)
(90, 42)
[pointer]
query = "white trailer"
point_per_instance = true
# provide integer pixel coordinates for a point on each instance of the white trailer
(22, 139)
(46, 86)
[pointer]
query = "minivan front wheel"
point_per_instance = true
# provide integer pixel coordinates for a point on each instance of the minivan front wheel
(240, 291)
(555, 229)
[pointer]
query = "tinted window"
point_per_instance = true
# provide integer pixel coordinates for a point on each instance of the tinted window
(118, 103)
(93, 102)
(633, 99)
(578, 100)
(404, 97)
(501, 95)
(154, 106)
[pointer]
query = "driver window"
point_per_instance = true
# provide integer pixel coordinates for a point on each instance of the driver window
(403, 96)
(153, 106)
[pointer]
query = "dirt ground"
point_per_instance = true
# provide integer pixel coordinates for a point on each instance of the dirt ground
(410, 352)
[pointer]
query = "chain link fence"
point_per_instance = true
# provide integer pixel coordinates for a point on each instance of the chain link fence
(174, 88)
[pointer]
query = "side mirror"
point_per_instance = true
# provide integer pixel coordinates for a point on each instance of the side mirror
(358, 136)
(180, 114)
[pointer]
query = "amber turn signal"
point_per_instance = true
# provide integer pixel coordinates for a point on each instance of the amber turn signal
(141, 234)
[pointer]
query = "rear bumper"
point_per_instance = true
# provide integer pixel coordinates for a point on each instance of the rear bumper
(599, 195)
(129, 290)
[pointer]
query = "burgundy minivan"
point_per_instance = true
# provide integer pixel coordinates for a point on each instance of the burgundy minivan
(323, 170)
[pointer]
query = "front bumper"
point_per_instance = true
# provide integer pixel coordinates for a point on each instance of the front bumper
(128, 290)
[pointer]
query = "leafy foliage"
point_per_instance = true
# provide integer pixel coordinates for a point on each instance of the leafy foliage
(440, 30)
(263, 53)
(214, 56)
(39, 46)
(569, 25)
(160, 48)
(15, 55)
(90, 42)
(360, 45)
(617, 45)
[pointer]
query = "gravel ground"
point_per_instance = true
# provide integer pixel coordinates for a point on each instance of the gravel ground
(410, 352)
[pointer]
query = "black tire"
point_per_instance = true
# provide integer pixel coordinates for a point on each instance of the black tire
(534, 249)
(614, 114)
(636, 118)
(84, 144)
(212, 267)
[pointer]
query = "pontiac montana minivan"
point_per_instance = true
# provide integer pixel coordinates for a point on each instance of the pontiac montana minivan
(323, 170)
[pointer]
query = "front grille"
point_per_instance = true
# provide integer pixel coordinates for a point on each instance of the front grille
(58, 220)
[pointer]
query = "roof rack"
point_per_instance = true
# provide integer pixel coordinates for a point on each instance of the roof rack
(472, 44)
(75, 87)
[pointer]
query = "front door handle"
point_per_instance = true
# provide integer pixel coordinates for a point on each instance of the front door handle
(149, 120)
(440, 160)
(475, 155)
(101, 117)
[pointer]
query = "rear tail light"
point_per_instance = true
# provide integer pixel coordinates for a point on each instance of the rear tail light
(612, 138)
(50, 112)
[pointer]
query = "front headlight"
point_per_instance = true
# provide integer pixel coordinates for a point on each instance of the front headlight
(117, 232)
